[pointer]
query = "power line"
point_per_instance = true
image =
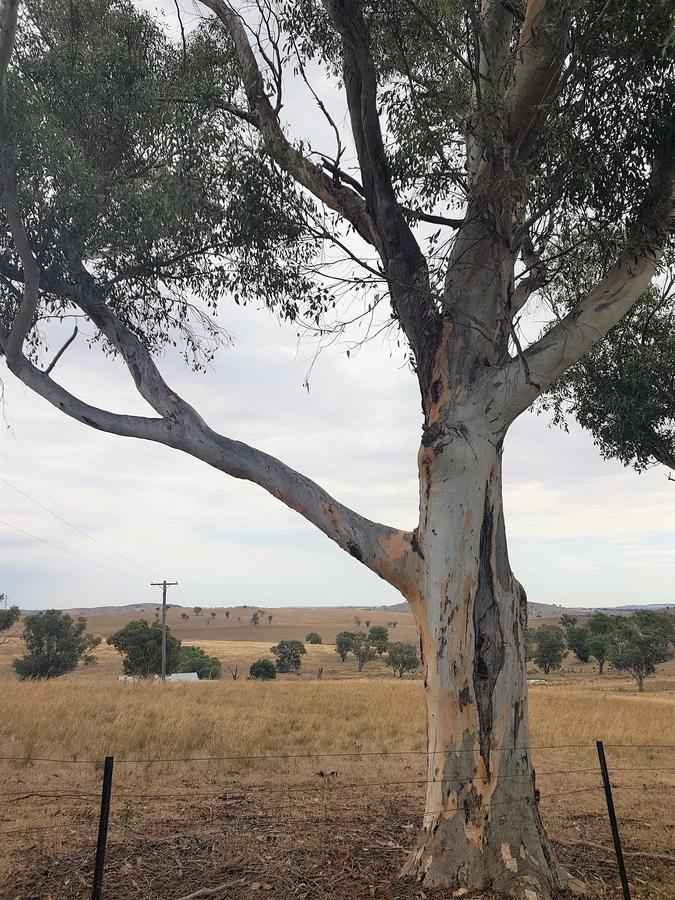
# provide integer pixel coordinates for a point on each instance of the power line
(74, 527)
(69, 552)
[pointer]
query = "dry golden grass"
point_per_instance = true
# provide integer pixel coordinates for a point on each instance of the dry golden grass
(85, 717)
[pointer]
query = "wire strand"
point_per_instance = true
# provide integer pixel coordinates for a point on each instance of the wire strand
(75, 527)
(328, 755)
(69, 552)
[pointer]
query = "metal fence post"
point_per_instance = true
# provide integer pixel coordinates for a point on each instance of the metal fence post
(612, 820)
(102, 828)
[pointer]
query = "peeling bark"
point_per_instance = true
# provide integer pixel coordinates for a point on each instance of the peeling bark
(482, 828)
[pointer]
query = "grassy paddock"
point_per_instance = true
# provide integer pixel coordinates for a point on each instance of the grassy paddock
(88, 718)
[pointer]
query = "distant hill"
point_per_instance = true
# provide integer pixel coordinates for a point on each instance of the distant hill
(548, 611)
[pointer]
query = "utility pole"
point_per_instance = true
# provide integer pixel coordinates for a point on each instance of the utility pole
(164, 585)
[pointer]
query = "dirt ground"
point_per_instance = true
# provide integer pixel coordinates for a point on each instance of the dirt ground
(291, 829)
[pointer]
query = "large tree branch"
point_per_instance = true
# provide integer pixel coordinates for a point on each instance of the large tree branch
(386, 551)
(23, 319)
(525, 377)
(538, 65)
(339, 197)
(405, 265)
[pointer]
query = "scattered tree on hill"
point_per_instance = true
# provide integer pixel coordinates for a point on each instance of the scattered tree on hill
(198, 610)
(550, 647)
(567, 621)
(362, 649)
(194, 659)
(599, 629)
(227, 614)
(313, 638)
(184, 615)
(402, 658)
(367, 623)
(140, 646)
(288, 654)
(138, 173)
(344, 641)
(357, 621)
(640, 641)
(262, 670)
(269, 618)
(55, 644)
(378, 636)
(255, 618)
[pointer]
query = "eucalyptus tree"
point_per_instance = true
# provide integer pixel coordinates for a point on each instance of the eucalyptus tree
(498, 157)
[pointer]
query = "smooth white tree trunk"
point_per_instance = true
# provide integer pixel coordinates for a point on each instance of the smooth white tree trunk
(481, 827)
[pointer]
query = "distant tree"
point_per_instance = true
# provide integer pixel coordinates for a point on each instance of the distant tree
(198, 610)
(184, 615)
(402, 658)
(367, 623)
(577, 638)
(362, 649)
(378, 636)
(262, 670)
(269, 618)
(599, 630)
(288, 655)
(393, 624)
(9, 617)
(140, 646)
(529, 645)
(344, 641)
(194, 659)
(313, 638)
(567, 621)
(550, 647)
(357, 620)
(640, 641)
(255, 618)
(227, 614)
(55, 644)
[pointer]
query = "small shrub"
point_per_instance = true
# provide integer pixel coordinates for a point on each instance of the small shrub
(262, 670)
(313, 638)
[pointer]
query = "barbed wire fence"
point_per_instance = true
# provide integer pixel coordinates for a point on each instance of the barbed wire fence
(328, 816)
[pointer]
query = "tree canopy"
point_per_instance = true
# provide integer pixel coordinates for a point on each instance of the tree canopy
(550, 647)
(194, 659)
(402, 658)
(9, 617)
(55, 644)
(289, 655)
(149, 173)
(140, 646)
(640, 641)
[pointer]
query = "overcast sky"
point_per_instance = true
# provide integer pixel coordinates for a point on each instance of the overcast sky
(582, 530)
